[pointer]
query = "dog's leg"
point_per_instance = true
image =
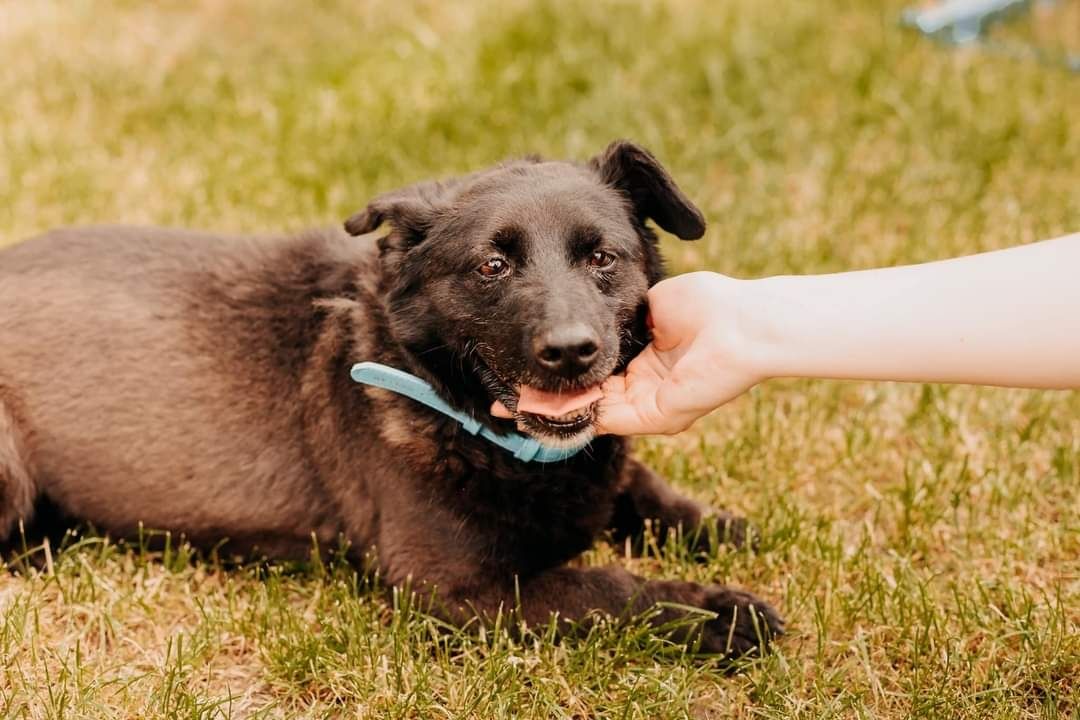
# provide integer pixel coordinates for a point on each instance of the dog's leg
(647, 498)
(17, 489)
(736, 622)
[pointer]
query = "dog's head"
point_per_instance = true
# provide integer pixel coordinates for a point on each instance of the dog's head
(526, 283)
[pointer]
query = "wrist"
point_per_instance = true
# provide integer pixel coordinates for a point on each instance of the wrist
(764, 326)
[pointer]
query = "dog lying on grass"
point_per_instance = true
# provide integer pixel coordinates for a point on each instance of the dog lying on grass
(200, 384)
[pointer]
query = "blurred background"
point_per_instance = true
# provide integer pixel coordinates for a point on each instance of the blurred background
(923, 541)
(815, 135)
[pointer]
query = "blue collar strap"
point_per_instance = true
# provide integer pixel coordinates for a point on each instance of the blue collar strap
(523, 448)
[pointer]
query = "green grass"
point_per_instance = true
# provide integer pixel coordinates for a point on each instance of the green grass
(923, 542)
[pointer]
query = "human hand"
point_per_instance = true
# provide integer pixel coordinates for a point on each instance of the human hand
(699, 358)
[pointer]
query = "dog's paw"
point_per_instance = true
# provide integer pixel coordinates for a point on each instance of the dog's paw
(744, 624)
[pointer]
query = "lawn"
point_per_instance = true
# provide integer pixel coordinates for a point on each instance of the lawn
(922, 541)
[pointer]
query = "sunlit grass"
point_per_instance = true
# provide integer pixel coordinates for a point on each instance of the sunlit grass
(923, 542)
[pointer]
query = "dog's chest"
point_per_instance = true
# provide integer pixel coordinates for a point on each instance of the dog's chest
(469, 494)
(529, 517)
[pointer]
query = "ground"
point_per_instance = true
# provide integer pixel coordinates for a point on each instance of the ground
(923, 541)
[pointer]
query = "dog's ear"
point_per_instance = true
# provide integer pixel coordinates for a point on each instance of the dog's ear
(411, 210)
(653, 193)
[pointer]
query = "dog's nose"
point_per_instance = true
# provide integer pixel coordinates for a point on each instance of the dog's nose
(567, 349)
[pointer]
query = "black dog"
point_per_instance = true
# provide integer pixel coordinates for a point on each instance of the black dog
(200, 384)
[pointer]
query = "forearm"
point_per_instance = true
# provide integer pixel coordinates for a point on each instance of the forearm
(1010, 317)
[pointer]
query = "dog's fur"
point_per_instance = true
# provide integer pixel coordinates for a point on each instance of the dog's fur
(200, 384)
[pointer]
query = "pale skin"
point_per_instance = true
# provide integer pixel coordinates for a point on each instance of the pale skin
(1007, 318)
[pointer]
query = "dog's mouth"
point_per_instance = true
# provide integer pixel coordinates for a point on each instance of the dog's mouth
(563, 418)
(566, 416)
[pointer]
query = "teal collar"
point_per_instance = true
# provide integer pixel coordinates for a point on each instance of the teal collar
(523, 448)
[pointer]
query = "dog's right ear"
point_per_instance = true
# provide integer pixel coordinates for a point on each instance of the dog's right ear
(411, 211)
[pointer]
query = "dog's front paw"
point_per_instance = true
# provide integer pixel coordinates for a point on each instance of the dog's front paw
(744, 623)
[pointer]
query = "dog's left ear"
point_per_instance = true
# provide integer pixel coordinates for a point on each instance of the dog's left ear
(653, 193)
(411, 211)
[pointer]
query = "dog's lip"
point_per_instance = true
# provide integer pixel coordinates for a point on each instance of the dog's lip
(506, 393)
(563, 426)
(568, 427)
(554, 405)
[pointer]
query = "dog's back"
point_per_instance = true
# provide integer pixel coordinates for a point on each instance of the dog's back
(140, 357)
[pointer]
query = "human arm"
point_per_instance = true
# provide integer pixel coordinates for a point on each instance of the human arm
(1009, 317)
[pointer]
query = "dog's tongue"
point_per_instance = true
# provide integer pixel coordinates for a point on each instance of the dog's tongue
(540, 402)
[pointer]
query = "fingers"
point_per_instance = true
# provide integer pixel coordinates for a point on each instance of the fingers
(629, 399)
(619, 420)
(628, 409)
(617, 415)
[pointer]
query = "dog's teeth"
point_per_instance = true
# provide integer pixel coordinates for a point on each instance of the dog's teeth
(572, 415)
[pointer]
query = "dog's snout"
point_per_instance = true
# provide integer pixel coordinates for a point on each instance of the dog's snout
(567, 349)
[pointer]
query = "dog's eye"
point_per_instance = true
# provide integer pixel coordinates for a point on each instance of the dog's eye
(601, 260)
(494, 268)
